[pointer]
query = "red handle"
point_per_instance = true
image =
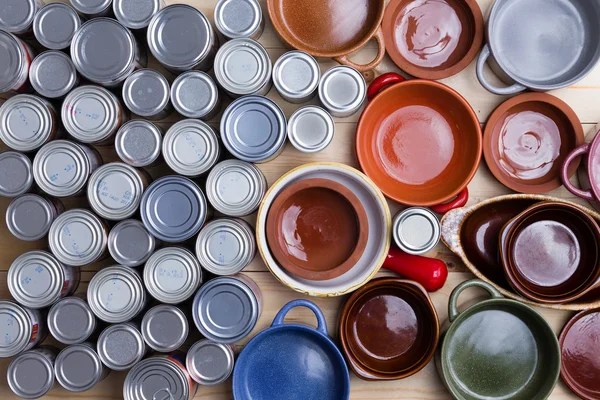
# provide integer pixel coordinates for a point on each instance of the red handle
(460, 201)
(429, 272)
(584, 194)
(381, 82)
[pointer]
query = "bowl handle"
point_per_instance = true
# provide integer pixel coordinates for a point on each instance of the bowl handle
(584, 194)
(453, 302)
(378, 36)
(391, 78)
(321, 324)
(460, 201)
(483, 56)
(431, 273)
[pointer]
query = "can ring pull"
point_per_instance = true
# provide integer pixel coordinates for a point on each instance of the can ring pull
(167, 391)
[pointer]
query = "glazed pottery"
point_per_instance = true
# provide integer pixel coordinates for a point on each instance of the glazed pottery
(330, 28)
(541, 44)
(592, 152)
(527, 139)
(317, 229)
(291, 361)
(497, 349)
(433, 39)
(389, 329)
(419, 141)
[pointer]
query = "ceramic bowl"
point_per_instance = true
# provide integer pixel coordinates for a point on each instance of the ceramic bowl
(527, 139)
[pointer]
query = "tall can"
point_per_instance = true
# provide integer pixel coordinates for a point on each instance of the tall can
(55, 25)
(16, 16)
(311, 129)
(15, 60)
(71, 321)
(17, 178)
(196, 95)
(21, 328)
(53, 74)
(130, 244)
(165, 328)
(29, 217)
(139, 143)
(239, 19)
(136, 15)
(93, 8)
(296, 76)
(31, 374)
(121, 346)
(78, 367)
(342, 91)
(210, 363)
(146, 93)
(416, 230)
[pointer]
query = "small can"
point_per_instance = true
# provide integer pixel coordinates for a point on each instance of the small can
(55, 25)
(181, 38)
(243, 67)
(146, 93)
(173, 209)
(121, 346)
(172, 275)
(191, 148)
(195, 95)
(165, 328)
(53, 74)
(210, 363)
(78, 238)
(31, 374)
(78, 367)
(15, 60)
(130, 244)
(27, 122)
(226, 309)
(239, 19)
(16, 16)
(17, 174)
(139, 143)
(296, 76)
(71, 321)
(236, 188)
(136, 14)
(253, 129)
(21, 328)
(29, 217)
(416, 230)
(93, 8)
(311, 129)
(342, 91)
(226, 246)
(62, 168)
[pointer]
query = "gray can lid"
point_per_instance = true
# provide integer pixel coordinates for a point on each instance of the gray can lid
(342, 90)
(416, 230)
(55, 24)
(30, 375)
(165, 328)
(191, 147)
(136, 14)
(296, 75)
(16, 16)
(242, 66)
(139, 143)
(154, 376)
(15, 328)
(28, 217)
(78, 368)
(253, 128)
(146, 92)
(71, 321)
(91, 7)
(130, 244)
(210, 363)
(194, 94)
(52, 73)
(121, 346)
(26, 122)
(238, 18)
(16, 175)
(311, 129)
(12, 61)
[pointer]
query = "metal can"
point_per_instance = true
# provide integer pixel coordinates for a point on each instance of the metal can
(226, 246)
(195, 95)
(210, 363)
(239, 19)
(181, 38)
(78, 238)
(311, 129)
(78, 367)
(53, 74)
(173, 209)
(226, 309)
(16, 16)
(253, 129)
(71, 321)
(416, 230)
(21, 328)
(29, 217)
(172, 275)
(342, 91)
(146, 93)
(121, 346)
(93, 8)
(31, 374)
(243, 67)
(130, 244)
(55, 25)
(15, 60)
(296, 76)
(62, 168)
(165, 328)
(139, 143)
(17, 174)
(136, 14)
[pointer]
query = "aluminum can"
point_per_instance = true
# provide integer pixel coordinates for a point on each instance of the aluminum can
(78, 367)
(71, 321)
(17, 176)
(195, 95)
(239, 19)
(136, 14)
(165, 328)
(139, 143)
(210, 363)
(21, 328)
(15, 60)
(311, 129)
(29, 217)
(93, 8)
(146, 93)
(121, 346)
(31, 374)
(296, 76)
(16, 16)
(416, 230)
(53, 74)
(130, 244)
(342, 91)
(55, 25)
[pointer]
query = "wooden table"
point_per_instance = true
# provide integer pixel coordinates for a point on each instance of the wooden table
(424, 385)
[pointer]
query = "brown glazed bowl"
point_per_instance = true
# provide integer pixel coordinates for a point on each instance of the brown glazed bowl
(527, 139)
(433, 39)
(317, 229)
(389, 329)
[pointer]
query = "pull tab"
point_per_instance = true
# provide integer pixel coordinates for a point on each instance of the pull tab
(165, 390)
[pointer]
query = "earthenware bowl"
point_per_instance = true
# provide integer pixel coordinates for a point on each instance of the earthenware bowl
(592, 164)
(317, 229)
(497, 349)
(526, 140)
(433, 39)
(388, 329)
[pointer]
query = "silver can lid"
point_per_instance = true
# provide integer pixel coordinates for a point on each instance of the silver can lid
(78, 368)
(173, 208)
(180, 36)
(235, 188)
(71, 321)
(15, 328)
(416, 230)
(194, 94)
(121, 346)
(77, 238)
(146, 92)
(165, 328)
(172, 275)
(26, 122)
(311, 129)
(156, 378)
(55, 25)
(139, 143)
(242, 66)
(91, 7)
(130, 244)
(52, 73)
(253, 128)
(13, 61)
(116, 294)
(30, 375)
(191, 147)
(225, 310)
(226, 246)
(16, 174)
(28, 217)
(16, 16)
(342, 90)
(238, 18)
(210, 363)
(296, 75)
(136, 14)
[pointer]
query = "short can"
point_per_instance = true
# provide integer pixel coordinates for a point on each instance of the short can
(93, 8)
(130, 244)
(121, 346)
(53, 74)
(31, 374)
(17, 176)
(146, 93)
(311, 129)
(16, 16)
(21, 328)
(296, 76)
(71, 321)
(210, 363)
(78, 367)
(195, 95)
(342, 91)
(136, 15)
(165, 328)
(239, 19)
(29, 217)
(172, 275)
(139, 143)
(55, 25)
(15, 60)
(416, 230)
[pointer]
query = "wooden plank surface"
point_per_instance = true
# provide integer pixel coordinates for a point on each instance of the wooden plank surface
(423, 386)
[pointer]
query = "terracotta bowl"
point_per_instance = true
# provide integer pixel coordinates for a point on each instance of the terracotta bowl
(433, 39)
(527, 139)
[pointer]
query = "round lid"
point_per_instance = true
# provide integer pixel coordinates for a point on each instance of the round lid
(194, 94)
(342, 89)
(78, 368)
(136, 14)
(173, 208)
(238, 18)
(35, 279)
(121, 346)
(311, 129)
(146, 92)
(167, 29)
(153, 376)
(139, 143)
(16, 176)
(165, 328)
(16, 16)
(30, 375)
(191, 147)
(55, 24)
(91, 7)
(15, 328)
(71, 321)
(225, 310)
(12, 61)
(242, 66)
(416, 230)
(29, 217)
(210, 363)
(253, 128)
(296, 75)
(130, 244)
(52, 73)
(26, 122)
